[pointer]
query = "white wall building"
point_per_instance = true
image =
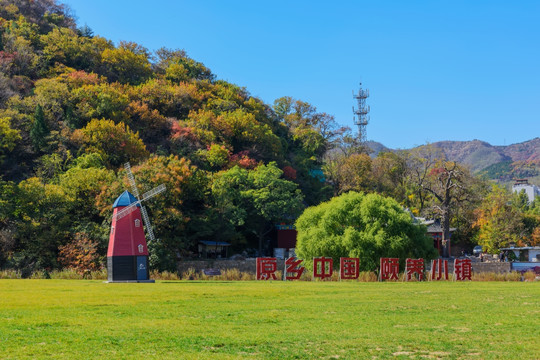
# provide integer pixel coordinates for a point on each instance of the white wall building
(523, 185)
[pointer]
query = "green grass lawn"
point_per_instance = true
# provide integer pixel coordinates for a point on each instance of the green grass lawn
(77, 319)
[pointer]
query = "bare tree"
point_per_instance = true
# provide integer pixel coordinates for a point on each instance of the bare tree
(420, 162)
(450, 185)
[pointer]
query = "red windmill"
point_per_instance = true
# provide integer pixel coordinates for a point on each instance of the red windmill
(127, 256)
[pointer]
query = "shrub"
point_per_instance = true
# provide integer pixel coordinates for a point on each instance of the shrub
(66, 274)
(165, 275)
(10, 274)
(367, 276)
(40, 274)
(80, 254)
(529, 276)
(491, 276)
(190, 274)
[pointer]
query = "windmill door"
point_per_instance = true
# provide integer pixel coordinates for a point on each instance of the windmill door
(142, 268)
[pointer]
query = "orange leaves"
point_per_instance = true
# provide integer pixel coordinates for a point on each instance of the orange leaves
(80, 254)
(79, 78)
(243, 160)
(535, 237)
(172, 171)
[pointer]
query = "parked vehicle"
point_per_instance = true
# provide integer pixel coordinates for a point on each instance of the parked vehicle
(477, 250)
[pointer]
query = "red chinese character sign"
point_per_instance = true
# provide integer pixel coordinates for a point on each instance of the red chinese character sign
(348, 268)
(462, 269)
(414, 268)
(439, 269)
(266, 268)
(323, 267)
(389, 269)
(292, 266)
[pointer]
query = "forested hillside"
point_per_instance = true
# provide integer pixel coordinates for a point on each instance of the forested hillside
(501, 163)
(74, 107)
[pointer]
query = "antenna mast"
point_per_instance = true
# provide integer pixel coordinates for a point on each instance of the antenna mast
(361, 119)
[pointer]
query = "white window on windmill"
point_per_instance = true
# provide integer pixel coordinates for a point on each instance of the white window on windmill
(137, 223)
(112, 229)
(141, 248)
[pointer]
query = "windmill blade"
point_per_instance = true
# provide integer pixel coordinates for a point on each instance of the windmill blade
(159, 189)
(147, 223)
(125, 211)
(147, 195)
(131, 179)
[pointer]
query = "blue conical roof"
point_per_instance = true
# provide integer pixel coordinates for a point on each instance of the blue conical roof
(125, 199)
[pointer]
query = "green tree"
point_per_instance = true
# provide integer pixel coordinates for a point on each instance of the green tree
(96, 101)
(180, 67)
(65, 46)
(8, 229)
(364, 226)
(256, 199)
(42, 219)
(39, 130)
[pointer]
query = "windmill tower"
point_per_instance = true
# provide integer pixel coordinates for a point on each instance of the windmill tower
(127, 256)
(361, 119)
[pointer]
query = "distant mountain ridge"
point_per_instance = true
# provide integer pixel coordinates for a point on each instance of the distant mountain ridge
(480, 155)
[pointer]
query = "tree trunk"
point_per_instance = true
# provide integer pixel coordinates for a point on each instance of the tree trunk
(445, 225)
(261, 236)
(262, 233)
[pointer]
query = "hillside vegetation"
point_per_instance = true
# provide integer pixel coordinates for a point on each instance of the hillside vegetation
(503, 163)
(74, 107)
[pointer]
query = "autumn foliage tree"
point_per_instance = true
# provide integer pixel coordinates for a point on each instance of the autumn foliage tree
(8, 137)
(498, 221)
(116, 143)
(128, 63)
(80, 254)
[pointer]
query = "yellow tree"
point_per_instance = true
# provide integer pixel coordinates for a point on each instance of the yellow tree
(8, 136)
(116, 143)
(127, 64)
(348, 173)
(499, 223)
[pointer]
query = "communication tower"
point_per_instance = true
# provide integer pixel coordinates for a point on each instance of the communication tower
(361, 118)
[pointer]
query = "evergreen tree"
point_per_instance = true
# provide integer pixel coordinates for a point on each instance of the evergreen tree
(39, 130)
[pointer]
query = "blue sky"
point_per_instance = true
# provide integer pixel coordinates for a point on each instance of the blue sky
(436, 70)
